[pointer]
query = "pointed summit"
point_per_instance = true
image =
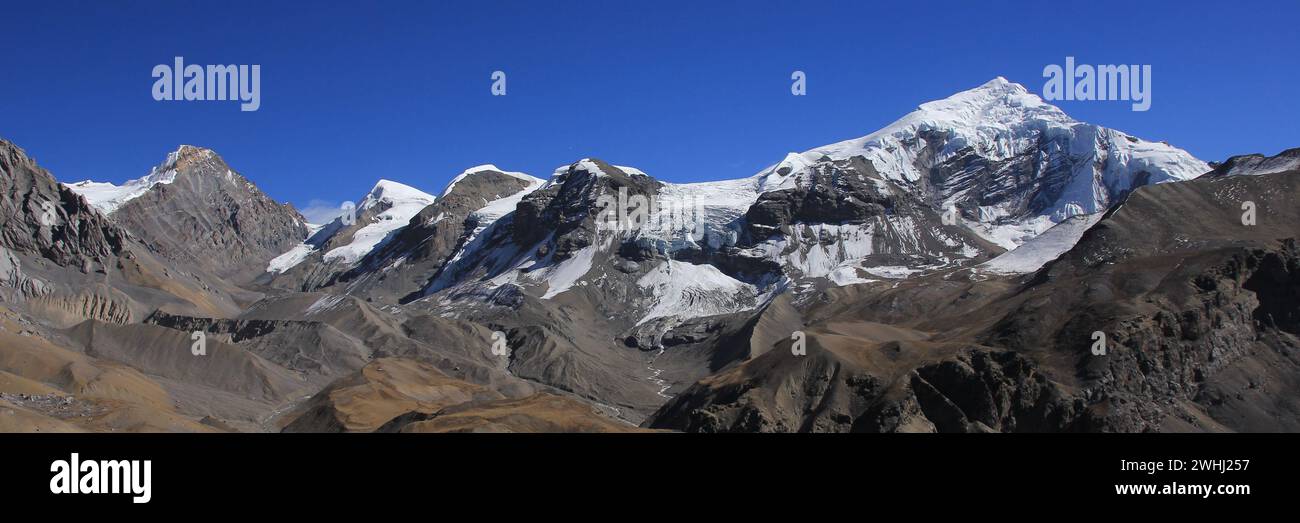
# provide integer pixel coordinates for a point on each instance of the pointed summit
(186, 155)
(1002, 155)
(392, 193)
(194, 208)
(107, 197)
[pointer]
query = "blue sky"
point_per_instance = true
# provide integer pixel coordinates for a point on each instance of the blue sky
(687, 91)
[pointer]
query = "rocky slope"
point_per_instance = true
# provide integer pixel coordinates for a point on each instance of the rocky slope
(1197, 317)
(1249, 164)
(946, 273)
(43, 218)
(99, 326)
(63, 259)
(194, 209)
(422, 233)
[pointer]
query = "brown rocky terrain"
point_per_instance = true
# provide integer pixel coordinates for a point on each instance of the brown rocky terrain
(211, 217)
(1199, 318)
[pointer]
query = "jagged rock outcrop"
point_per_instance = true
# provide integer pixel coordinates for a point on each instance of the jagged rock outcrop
(95, 303)
(15, 285)
(564, 212)
(40, 217)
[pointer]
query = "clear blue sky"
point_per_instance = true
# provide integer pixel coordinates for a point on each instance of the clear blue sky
(357, 91)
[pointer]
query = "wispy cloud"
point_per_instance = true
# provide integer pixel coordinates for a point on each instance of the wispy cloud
(320, 211)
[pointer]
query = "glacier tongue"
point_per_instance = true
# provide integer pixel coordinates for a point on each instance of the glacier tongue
(1035, 253)
(685, 291)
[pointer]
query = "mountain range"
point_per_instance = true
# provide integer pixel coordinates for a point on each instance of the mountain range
(953, 271)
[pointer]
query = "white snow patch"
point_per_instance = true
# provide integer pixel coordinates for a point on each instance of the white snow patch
(847, 275)
(323, 304)
(1035, 253)
(685, 291)
(804, 250)
(291, 258)
(562, 276)
(893, 272)
(496, 209)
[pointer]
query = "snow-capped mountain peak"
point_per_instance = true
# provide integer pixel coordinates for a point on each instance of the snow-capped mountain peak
(107, 197)
(484, 168)
(186, 153)
(997, 101)
(784, 174)
(388, 209)
(394, 193)
(388, 206)
(999, 119)
(1014, 164)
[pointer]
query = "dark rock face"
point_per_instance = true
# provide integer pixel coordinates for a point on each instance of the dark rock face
(1276, 284)
(1027, 184)
(832, 192)
(566, 210)
(212, 217)
(1223, 336)
(986, 391)
(833, 199)
(75, 235)
(65, 262)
